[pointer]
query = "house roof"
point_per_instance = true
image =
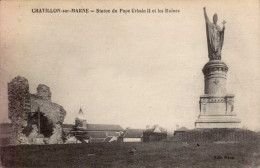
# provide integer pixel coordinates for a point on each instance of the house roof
(104, 127)
(182, 129)
(156, 130)
(99, 134)
(133, 133)
(112, 133)
(98, 127)
(67, 125)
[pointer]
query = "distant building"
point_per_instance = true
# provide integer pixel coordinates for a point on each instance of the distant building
(180, 130)
(81, 121)
(92, 133)
(131, 135)
(154, 134)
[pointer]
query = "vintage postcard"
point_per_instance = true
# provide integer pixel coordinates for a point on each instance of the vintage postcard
(130, 83)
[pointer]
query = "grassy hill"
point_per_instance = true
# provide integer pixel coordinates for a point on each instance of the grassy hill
(169, 153)
(160, 154)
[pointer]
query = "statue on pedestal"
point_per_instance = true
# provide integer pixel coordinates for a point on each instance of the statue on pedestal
(216, 106)
(215, 36)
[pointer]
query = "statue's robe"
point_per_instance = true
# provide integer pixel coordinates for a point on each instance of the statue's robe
(215, 39)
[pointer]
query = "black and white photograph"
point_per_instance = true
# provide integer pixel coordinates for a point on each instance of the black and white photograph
(138, 84)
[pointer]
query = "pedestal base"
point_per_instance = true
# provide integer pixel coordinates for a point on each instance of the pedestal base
(218, 121)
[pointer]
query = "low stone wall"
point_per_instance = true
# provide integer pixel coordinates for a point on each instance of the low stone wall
(215, 135)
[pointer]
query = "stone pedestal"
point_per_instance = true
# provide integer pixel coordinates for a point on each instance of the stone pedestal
(216, 107)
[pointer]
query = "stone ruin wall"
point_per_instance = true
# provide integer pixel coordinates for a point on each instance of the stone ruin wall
(19, 107)
(24, 109)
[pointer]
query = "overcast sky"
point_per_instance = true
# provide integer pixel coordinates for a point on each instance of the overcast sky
(130, 69)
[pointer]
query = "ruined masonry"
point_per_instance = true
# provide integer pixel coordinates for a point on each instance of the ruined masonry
(35, 118)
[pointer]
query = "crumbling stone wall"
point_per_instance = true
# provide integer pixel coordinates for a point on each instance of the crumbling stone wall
(54, 112)
(24, 109)
(19, 108)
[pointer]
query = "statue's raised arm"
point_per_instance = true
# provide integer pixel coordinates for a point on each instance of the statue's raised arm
(205, 15)
(215, 37)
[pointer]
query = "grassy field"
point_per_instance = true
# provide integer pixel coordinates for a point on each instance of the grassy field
(161, 154)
